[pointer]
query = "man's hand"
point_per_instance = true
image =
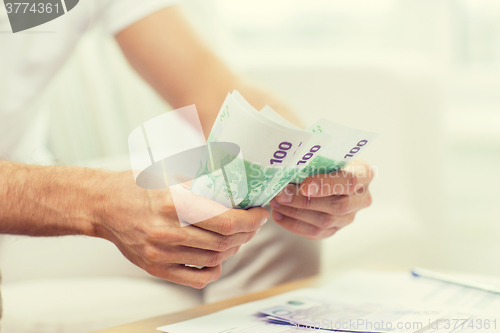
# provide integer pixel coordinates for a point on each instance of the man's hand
(324, 203)
(144, 226)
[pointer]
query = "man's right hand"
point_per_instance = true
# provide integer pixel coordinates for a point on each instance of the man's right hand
(143, 224)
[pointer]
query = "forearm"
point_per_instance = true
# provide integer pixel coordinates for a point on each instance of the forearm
(208, 89)
(209, 98)
(211, 86)
(49, 200)
(166, 52)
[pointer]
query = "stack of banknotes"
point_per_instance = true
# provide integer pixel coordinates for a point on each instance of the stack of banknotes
(252, 155)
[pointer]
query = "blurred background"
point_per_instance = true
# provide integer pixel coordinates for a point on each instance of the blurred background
(424, 74)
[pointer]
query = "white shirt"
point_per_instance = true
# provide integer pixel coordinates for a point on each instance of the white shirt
(30, 59)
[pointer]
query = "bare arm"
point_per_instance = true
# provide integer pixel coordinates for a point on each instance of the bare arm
(48, 201)
(143, 224)
(166, 52)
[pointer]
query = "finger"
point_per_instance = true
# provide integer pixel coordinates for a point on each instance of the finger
(188, 256)
(236, 221)
(192, 208)
(190, 276)
(304, 229)
(318, 219)
(209, 240)
(334, 204)
(356, 175)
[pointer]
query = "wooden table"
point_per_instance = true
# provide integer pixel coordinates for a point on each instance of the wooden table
(150, 325)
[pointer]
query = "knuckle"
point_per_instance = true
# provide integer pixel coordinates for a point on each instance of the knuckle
(227, 225)
(151, 255)
(295, 226)
(155, 270)
(181, 236)
(249, 237)
(292, 212)
(235, 249)
(256, 224)
(354, 182)
(164, 204)
(200, 283)
(360, 189)
(223, 244)
(157, 233)
(213, 259)
(306, 202)
(202, 280)
(217, 275)
(315, 232)
(342, 206)
(327, 221)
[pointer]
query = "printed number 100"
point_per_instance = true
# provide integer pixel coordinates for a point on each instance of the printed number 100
(356, 149)
(310, 154)
(280, 154)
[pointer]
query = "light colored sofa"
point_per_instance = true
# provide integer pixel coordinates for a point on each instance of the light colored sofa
(77, 284)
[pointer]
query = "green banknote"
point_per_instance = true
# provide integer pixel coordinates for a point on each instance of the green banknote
(251, 156)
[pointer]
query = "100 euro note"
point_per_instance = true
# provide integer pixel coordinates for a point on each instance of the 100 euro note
(306, 153)
(266, 147)
(294, 161)
(332, 148)
(273, 153)
(347, 143)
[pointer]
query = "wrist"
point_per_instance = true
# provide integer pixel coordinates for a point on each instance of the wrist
(114, 200)
(85, 202)
(48, 200)
(102, 190)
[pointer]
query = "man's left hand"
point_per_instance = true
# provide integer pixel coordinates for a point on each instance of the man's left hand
(324, 203)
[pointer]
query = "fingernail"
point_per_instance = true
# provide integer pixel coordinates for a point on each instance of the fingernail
(313, 188)
(264, 220)
(278, 216)
(285, 197)
(275, 203)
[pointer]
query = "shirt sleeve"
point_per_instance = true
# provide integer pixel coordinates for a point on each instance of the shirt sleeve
(119, 14)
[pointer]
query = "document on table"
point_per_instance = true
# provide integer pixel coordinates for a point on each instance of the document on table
(363, 301)
(314, 312)
(404, 289)
(308, 310)
(243, 318)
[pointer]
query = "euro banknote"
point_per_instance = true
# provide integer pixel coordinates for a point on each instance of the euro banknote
(272, 153)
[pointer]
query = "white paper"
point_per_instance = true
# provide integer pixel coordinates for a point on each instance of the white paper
(460, 306)
(322, 313)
